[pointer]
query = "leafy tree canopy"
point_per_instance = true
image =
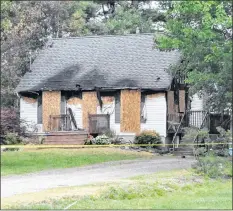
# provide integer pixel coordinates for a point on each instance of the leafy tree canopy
(202, 32)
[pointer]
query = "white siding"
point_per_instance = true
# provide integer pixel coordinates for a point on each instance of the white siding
(77, 111)
(156, 115)
(197, 103)
(28, 113)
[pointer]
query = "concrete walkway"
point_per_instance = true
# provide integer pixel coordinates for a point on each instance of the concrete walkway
(105, 172)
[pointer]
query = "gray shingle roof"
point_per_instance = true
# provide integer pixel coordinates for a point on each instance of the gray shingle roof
(126, 61)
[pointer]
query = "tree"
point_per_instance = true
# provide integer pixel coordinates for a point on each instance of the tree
(27, 25)
(202, 32)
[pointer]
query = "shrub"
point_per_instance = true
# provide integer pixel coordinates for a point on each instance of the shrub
(101, 140)
(110, 134)
(224, 138)
(213, 166)
(12, 138)
(191, 133)
(10, 122)
(88, 140)
(148, 137)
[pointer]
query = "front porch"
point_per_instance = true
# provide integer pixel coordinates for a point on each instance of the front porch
(177, 122)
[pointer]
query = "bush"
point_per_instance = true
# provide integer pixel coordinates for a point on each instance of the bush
(148, 137)
(213, 166)
(10, 122)
(12, 138)
(224, 139)
(88, 140)
(101, 140)
(190, 133)
(110, 134)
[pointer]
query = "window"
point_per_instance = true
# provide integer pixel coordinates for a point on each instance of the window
(143, 108)
(39, 110)
(117, 108)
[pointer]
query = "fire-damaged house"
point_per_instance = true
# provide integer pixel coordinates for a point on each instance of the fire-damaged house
(84, 85)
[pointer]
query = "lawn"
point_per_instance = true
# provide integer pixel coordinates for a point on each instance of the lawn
(20, 162)
(170, 190)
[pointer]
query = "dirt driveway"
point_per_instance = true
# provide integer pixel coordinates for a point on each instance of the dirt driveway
(110, 171)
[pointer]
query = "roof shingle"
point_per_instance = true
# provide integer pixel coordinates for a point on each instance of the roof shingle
(117, 62)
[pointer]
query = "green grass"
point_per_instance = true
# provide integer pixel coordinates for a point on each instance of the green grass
(171, 190)
(20, 162)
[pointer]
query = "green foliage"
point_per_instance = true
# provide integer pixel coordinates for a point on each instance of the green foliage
(127, 21)
(214, 166)
(88, 140)
(190, 133)
(37, 160)
(148, 137)
(101, 140)
(41, 139)
(201, 30)
(27, 25)
(12, 138)
(133, 192)
(223, 139)
(110, 133)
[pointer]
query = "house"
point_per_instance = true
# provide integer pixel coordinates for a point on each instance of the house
(122, 79)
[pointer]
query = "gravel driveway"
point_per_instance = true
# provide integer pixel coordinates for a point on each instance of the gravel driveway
(109, 171)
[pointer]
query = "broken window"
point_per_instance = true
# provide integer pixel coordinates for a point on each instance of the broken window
(117, 108)
(143, 108)
(39, 110)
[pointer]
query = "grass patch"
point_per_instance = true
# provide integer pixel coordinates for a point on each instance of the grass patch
(20, 162)
(168, 190)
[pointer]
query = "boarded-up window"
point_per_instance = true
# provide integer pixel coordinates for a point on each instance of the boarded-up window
(182, 100)
(171, 104)
(143, 108)
(117, 108)
(39, 110)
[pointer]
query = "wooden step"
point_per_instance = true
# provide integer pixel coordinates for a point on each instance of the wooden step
(65, 138)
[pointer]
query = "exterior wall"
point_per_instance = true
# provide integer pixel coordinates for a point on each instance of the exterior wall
(51, 105)
(197, 103)
(28, 112)
(156, 113)
(90, 103)
(75, 104)
(130, 111)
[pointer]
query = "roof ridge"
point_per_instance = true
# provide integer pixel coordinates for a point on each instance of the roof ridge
(105, 35)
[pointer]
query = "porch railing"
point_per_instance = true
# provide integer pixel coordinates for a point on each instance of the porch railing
(60, 122)
(99, 123)
(191, 119)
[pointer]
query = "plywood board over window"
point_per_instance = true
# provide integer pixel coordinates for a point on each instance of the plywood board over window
(51, 101)
(182, 100)
(130, 111)
(90, 103)
(170, 102)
